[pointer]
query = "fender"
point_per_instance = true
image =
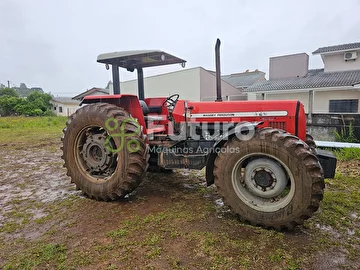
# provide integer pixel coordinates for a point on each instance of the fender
(243, 129)
(129, 102)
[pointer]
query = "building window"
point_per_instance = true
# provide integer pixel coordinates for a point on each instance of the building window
(54, 108)
(344, 106)
(60, 109)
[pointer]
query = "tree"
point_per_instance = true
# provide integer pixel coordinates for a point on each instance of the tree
(36, 104)
(8, 92)
(8, 104)
(39, 101)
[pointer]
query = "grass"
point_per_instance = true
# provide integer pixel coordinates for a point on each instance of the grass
(338, 222)
(30, 129)
(46, 255)
(345, 154)
(22, 122)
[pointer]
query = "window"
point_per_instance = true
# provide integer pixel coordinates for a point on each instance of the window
(60, 109)
(344, 106)
(54, 108)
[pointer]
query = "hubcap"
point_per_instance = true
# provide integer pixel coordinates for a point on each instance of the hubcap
(95, 156)
(263, 178)
(261, 182)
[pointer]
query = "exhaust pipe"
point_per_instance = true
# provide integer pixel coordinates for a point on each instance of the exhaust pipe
(218, 72)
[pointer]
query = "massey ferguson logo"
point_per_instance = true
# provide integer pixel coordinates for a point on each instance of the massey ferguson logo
(239, 114)
(225, 114)
(218, 114)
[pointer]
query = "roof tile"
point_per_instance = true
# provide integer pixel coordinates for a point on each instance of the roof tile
(315, 78)
(343, 47)
(243, 80)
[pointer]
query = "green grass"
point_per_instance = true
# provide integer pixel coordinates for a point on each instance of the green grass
(337, 224)
(341, 201)
(30, 130)
(45, 256)
(22, 122)
(345, 154)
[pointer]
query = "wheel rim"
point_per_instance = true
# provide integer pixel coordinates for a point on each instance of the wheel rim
(263, 182)
(93, 153)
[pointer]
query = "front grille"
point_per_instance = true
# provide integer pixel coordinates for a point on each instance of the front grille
(278, 125)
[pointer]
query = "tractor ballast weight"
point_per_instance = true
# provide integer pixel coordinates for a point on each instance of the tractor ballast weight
(256, 152)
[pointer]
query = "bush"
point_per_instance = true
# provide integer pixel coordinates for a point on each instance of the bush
(346, 135)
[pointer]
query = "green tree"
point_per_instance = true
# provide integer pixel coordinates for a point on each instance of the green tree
(36, 104)
(40, 101)
(8, 104)
(8, 92)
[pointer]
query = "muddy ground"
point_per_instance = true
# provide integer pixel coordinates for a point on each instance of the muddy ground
(172, 221)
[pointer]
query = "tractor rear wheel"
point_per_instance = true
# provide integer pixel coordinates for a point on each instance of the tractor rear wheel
(105, 151)
(272, 180)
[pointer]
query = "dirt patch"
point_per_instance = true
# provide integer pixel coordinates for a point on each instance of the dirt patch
(349, 168)
(172, 221)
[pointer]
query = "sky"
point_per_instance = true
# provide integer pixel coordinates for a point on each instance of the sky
(54, 44)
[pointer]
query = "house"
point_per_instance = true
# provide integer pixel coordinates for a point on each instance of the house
(244, 79)
(95, 91)
(192, 84)
(328, 93)
(64, 106)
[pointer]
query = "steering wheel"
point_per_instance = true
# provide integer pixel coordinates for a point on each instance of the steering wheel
(170, 101)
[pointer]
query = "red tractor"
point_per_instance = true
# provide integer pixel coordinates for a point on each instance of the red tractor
(256, 152)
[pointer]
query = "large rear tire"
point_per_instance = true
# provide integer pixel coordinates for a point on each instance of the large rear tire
(272, 180)
(105, 151)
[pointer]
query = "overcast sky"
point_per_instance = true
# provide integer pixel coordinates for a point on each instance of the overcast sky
(54, 44)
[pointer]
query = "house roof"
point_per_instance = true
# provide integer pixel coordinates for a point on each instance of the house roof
(90, 91)
(343, 47)
(65, 100)
(244, 79)
(315, 78)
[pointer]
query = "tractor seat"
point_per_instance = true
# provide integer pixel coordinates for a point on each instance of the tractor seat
(151, 109)
(144, 107)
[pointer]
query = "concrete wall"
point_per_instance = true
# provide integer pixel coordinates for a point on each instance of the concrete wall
(321, 98)
(186, 83)
(336, 62)
(288, 66)
(324, 126)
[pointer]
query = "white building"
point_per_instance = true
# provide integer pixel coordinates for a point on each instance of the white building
(333, 89)
(191, 84)
(64, 106)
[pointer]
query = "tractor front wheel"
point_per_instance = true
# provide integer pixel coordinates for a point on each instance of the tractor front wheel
(105, 151)
(272, 180)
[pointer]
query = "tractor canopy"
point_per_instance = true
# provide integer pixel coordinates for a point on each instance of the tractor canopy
(140, 58)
